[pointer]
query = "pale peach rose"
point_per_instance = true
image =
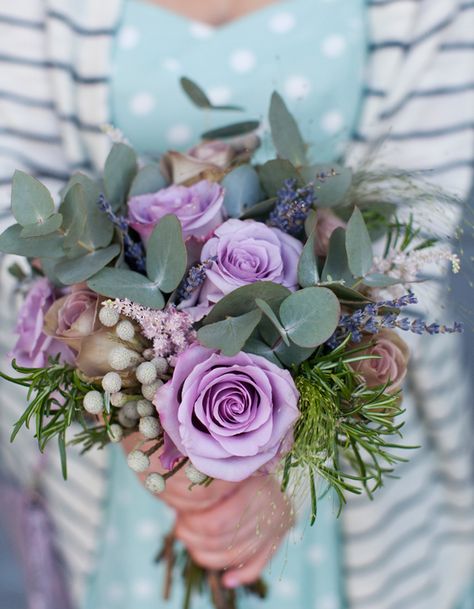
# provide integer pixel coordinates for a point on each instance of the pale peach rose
(326, 224)
(391, 363)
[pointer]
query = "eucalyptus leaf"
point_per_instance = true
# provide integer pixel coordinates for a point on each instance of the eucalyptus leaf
(31, 200)
(242, 190)
(233, 130)
(122, 283)
(242, 300)
(292, 355)
(47, 227)
(258, 347)
(378, 280)
(49, 246)
(259, 209)
(273, 173)
(336, 267)
(166, 256)
(358, 245)
(331, 183)
(346, 294)
(271, 316)
(199, 97)
(148, 179)
(119, 171)
(310, 222)
(286, 135)
(230, 334)
(308, 274)
(84, 267)
(92, 231)
(310, 316)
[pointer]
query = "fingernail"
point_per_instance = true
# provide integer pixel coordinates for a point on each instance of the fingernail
(231, 582)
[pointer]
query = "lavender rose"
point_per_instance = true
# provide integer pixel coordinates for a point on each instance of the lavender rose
(34, 347)
(391, 363)
(229, 415)
(326, 224)
(199, 208)
(247, 251)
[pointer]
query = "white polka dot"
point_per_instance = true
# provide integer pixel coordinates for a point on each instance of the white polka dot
(142, 103)
(333, 46)
(285, 588)
(143, 588)
(332, 122)
(178, 134)
(171, 64)
(128, 37)
(201, 30)
(219, 95)
(242, 60)
(316, 555)
(297, 87)
(282, 23)
(328, 602)
(147, 529)
(115, 591)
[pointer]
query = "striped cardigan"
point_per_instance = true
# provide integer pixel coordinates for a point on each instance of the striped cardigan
(413, 547)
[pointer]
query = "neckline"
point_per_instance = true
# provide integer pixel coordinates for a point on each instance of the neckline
(213, 29)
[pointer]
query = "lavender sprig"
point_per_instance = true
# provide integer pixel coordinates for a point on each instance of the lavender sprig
(369, 320)
(134, 252)
(292, 207)
(193, 280)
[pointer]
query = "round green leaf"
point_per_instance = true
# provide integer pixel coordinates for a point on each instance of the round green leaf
(358, 245)
(273, 173)
(148, 179)
(242, 190)
(242, 300)
(310, 316)
(286, 135)
(31, 200)
(40, 229)
(80, 269)
(331, 183)
(122, 283)
(49, 246)
(336, 267)
(119, 171)
(308, 274)
(230, 334)
(166, 256)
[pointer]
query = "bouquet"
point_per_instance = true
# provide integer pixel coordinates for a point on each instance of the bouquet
(234, 314)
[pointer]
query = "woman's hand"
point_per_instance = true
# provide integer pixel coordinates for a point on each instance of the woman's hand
(229, 526)
(240, 532)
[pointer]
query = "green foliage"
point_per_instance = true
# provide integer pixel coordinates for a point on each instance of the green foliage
(148, 179)
(199, 97)
(242, 190)
(336, 267)
(166, 254)
(233, 130)
(273, 319)
(49, 246)
(119, 171)
(122, 283)
(31, 202)
(286, 135)
(346, 432)
(230, 334)
(259, 210)
(273, 173)
(83, 267)
(242, 300)
(55, 395)
(46, 227)
(331, 183)
(308, 274)
(310, 316)
(358, 245)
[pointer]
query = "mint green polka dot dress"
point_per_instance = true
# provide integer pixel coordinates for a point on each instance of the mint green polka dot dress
(313, 53)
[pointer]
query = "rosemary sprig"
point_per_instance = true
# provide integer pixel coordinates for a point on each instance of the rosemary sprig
(346, 431)
(55, 395)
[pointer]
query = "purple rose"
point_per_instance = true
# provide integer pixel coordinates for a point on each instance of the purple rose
(245, 252)
(33, 346)
(229, 415)
(199, 208)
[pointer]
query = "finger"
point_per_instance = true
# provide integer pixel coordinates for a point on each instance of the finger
(249, 571)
